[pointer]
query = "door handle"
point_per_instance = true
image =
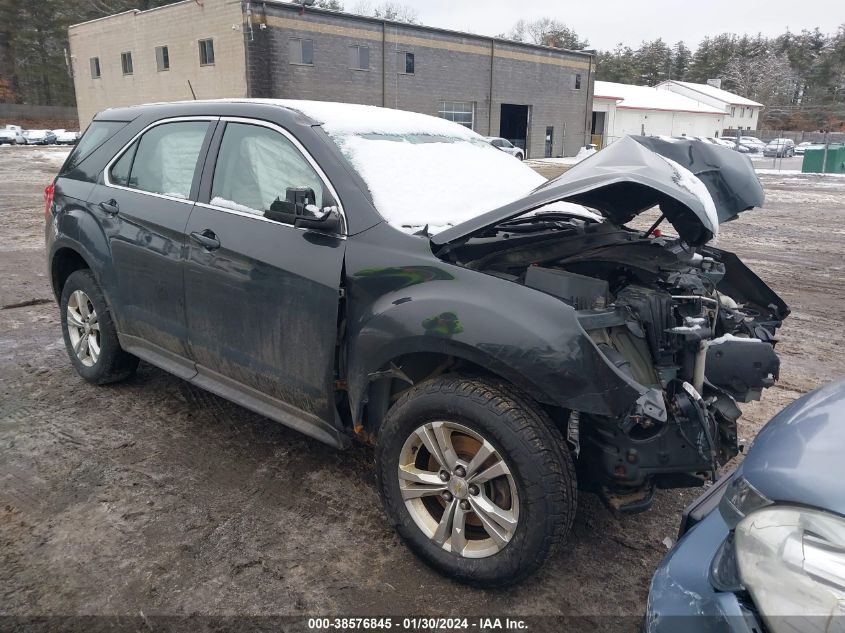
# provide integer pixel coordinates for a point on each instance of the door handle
(206, 238)
(110, 207)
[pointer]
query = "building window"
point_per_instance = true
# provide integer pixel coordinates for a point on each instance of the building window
(462, 112)
(359, 57)
(550, 140)
(405, 62)
(302, 51)
(95, 67)
(162, 58)
(576, 81)
(206, 52)
(126, 63)
(747, 127)
(733, 111)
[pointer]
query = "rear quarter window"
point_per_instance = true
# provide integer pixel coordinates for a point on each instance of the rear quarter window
(97, 133)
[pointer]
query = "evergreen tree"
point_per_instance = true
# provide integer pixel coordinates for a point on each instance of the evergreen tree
(681, 59)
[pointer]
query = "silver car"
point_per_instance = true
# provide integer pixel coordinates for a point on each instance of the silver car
(506, 146)
(780, 148)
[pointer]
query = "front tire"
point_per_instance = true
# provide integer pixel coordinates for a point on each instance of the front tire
(475, 477)
(90, 334)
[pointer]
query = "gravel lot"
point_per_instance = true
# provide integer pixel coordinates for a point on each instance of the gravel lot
(155, 496)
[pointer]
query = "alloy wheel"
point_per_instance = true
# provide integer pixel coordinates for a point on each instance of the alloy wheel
(83, 328)
(458, 489)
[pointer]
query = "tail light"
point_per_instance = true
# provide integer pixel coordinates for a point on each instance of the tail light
(49, 190)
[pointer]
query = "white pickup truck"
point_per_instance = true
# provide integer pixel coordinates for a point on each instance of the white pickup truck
(12, 134)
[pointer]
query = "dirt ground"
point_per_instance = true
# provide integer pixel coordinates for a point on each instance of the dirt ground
(153, 496)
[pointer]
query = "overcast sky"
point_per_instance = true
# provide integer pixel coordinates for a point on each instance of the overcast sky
(606, 22)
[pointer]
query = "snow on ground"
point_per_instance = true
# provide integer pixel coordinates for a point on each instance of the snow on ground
(55, 157)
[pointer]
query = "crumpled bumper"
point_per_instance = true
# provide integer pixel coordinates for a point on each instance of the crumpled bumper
(681, 597)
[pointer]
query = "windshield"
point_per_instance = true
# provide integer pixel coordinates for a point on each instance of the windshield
(435, 180)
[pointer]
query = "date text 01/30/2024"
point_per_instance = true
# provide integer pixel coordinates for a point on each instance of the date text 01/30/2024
(413, 624)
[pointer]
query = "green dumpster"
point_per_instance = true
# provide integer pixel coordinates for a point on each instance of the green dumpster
(814, 157)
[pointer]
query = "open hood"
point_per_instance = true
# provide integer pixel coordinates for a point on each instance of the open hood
(696, 185)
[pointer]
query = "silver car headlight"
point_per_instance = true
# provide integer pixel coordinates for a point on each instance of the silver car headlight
(792, 561)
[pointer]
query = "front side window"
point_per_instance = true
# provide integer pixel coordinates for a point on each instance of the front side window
(162, 58)
(405, 62)
(206, 52)
(163, 160)
(95, 67)
(359, 57)
(260, 171)
(457, 111)
(126, 63)
(302, 51)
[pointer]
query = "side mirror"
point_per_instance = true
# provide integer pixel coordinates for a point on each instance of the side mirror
(312, 217)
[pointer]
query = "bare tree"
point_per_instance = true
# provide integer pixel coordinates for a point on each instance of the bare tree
(334, 5)
(766, 78)
(388, 10)
(547, 32)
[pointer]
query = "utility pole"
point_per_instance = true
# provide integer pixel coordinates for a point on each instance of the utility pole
(826, 143)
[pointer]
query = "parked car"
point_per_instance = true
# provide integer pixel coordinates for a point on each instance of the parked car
(802, 147)
(721, 141)
(750, 146)
(66, 137)
(780, 148)
(359, 272)
(39, 137)
(763, 549)
(506, 146)
(12, 135)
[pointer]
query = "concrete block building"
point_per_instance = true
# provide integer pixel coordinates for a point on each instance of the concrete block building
(537, 97)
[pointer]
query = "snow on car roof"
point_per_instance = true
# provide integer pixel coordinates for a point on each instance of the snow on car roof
(645, 98)
(353, 118)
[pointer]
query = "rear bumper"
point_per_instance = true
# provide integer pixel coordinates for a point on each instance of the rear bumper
(681, 596)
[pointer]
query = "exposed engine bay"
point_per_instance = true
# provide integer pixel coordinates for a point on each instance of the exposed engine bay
(694, 324)
(689, 323)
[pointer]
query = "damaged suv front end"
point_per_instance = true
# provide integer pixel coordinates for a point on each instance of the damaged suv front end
(687, 328)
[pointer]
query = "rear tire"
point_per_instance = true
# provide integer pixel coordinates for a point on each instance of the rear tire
(90, 334)
(491, 531)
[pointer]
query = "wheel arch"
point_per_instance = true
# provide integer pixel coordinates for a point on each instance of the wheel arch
(65, 261)
(372, 398)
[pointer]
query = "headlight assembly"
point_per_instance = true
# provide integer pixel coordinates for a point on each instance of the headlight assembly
(792, 561)
(740, 500)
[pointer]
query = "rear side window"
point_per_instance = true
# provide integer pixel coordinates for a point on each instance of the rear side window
(256, 168)
(163, 160)
(96, 134)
